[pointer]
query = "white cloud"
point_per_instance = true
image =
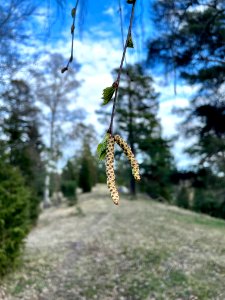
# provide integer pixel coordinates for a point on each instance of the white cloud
(198, 8)
(110, 11)
(98, 57)
(170, 121)
(42, 16)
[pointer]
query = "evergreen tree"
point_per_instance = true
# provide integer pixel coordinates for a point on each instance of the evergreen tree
(190, 45)
(137, 122)
(69, 182)
(85, 176)
(183, 198)
(190, 39)
(23, 143)
(158, 166)
(14, 215)
(87, 172)
(69, 171)
(101, 176)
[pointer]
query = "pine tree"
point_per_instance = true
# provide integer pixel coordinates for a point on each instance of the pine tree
(69, 182)
(190, 44)
(136, 110)
(87, 172)
(183, 198)
(137, 122)
(14, 215)
(23, 142)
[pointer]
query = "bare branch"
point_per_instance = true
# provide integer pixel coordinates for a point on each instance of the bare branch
(117, 82)
(73, 13)
(212, 59)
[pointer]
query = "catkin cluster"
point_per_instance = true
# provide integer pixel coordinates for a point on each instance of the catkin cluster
(127, 151)
(111, 179)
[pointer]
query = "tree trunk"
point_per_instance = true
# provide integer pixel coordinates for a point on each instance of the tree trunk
(47, 201)
(131, 142)
(132, 185)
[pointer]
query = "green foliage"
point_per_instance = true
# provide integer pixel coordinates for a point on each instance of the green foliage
(14, 216)
(69, 171)
(182, 199)
(157, 168)
(136, 120)
(85, 180)
(87, 172)
(69, 182)
(24, 145)
(108, 94)
(101, 175)
(190, 43)
(206, 202)
(207, 189)
(193, 48)
(101, 149)
(34, 207)
(82, 169)
(68, 188)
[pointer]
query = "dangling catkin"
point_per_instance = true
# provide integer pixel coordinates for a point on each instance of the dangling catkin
(127, 151)
(111, 180)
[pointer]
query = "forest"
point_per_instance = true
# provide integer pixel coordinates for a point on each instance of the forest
(112, 102)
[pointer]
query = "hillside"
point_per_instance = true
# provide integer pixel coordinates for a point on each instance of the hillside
(139, 250)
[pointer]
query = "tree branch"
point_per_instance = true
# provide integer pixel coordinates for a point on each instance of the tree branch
(212, 59)
(74, 13)
(117, 82)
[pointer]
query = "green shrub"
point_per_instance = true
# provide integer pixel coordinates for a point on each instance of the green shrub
(68, 188)
(34, 208)
(183, 198)
(207, 203)
(85, 176)
(14, 216)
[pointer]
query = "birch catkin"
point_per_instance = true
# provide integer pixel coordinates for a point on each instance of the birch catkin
(127, 151)
(111, 179)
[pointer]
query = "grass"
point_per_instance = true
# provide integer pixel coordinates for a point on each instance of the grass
(200, 219)
(139, 250)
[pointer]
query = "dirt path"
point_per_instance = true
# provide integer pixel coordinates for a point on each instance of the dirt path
(139, 250)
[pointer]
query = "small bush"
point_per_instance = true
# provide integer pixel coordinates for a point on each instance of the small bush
(205, 202)
(34, 208)
(85, 178)
(68, 188)
(14, 216)
(183, 198)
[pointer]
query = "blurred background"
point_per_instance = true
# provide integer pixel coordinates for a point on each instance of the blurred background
(60, 235)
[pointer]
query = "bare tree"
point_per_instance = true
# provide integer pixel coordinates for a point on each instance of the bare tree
(15, 24)
(56, 93)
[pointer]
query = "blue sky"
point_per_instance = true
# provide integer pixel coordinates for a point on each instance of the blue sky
(92, 16)
(98, 49)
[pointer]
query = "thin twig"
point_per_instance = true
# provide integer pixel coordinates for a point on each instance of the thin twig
(220, 61)
(121, 25)
(120, 69)
(74, 10)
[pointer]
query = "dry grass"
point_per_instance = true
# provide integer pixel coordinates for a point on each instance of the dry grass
(139, 250)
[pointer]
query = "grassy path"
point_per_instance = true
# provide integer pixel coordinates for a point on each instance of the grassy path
(139, 250)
